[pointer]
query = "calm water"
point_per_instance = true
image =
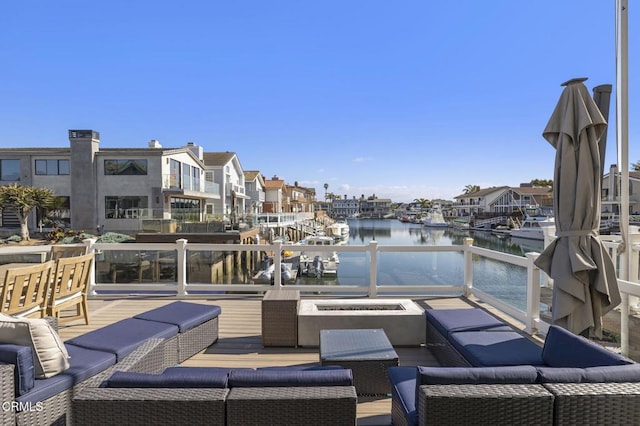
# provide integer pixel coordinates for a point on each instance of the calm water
(506, 282)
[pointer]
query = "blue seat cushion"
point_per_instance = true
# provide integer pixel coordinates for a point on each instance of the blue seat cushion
(496, 348)
(123, 337)
(451, 320)
(174, 377)
(403, 390)
(565, 349)
(274, 378)
(83, 363)
(601, 374)
(184, 315)
(23, 373)
(517, 374)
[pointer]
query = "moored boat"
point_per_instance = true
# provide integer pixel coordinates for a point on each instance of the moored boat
(318, 263)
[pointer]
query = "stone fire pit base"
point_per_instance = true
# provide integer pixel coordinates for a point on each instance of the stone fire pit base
(403, 320)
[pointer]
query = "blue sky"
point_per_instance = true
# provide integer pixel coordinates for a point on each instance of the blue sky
(404, 100)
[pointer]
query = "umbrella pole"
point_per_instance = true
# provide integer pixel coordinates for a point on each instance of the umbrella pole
(622, 139)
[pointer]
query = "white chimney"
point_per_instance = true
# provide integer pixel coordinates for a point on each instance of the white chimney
(153, 143)
(197, 150)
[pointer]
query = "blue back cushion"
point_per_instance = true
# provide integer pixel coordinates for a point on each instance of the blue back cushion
(181, 377)
(22, 358)
(274, 378)
(565, 349)
(602, 374)
(519, 374)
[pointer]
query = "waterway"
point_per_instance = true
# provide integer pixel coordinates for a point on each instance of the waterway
(505, 281)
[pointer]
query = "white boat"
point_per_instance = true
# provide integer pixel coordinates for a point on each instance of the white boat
(535, 227)
(435, 219)
(338, 230)
(266, 276)
(318, 263)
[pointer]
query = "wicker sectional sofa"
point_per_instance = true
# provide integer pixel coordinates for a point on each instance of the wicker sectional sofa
(133, 344)
(492, 374)
(239, 396)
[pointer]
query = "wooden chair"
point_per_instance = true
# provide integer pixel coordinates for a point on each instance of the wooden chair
(24, 290)
(59, 251)
(69, 287)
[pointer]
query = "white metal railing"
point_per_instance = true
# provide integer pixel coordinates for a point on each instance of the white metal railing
(150, 255)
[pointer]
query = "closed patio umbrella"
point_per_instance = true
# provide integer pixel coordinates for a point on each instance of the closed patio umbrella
(585, 282)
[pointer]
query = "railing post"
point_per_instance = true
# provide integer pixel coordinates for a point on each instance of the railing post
(90, 242)
(468, 267)
(277, 261)
(373, 269)
(533, 293)
(181, 255)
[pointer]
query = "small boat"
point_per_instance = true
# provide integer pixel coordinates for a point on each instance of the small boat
(535, 227)
(288, 275)
(435, 219)
(338, 230)
(318, 263)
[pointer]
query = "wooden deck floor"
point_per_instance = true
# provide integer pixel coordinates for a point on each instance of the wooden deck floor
(240, 344)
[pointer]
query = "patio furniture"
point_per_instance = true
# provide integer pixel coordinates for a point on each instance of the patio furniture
(367, 352)
(197, 325)
(496, 372)
(280, 318)
(24, 290)
(238, 396)
(69, 287)
(62, 251)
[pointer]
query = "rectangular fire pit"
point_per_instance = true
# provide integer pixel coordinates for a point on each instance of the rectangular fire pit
(401, 319)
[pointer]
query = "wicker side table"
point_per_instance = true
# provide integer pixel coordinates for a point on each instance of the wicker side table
(280, 318)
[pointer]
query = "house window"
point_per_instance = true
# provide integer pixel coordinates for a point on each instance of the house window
(125, 167)
(174, 174)
(130, 207)
(186, 176)
(10, 170)
(52, 167)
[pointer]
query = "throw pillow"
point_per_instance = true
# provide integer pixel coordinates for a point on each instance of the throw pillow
(50, 354)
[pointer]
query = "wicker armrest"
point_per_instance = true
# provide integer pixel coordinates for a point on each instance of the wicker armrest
(317, 405)
(499, 404)
(596, 403)
(7, 394)
(147, 358)
(118, 406)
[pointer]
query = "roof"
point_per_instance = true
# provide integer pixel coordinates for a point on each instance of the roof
(250, 175)
(482, 192)
(218, 158)
(533, 190)
(273, 184)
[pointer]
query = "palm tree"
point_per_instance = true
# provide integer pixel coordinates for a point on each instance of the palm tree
(471, 188)
(326, 186)
(423, 202)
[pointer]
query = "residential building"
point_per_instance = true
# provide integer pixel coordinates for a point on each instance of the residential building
(124, 189)
(224, 168)
(298, 199)
(503, 200)
(611, 193)
(345, 207)
(274, 195)
(254, 190)
(376, 208)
